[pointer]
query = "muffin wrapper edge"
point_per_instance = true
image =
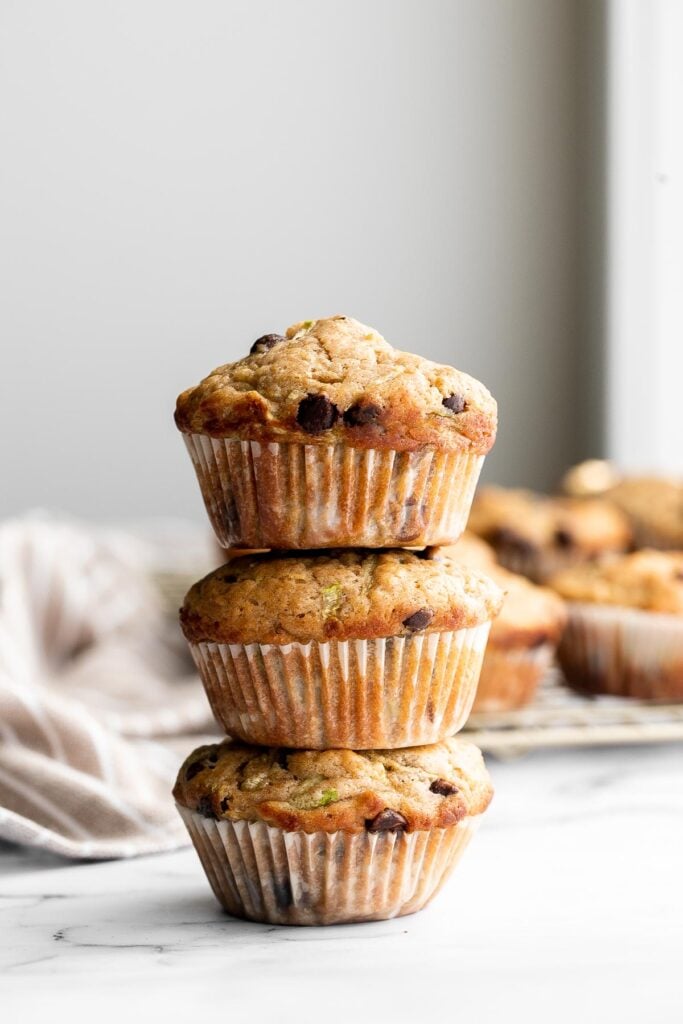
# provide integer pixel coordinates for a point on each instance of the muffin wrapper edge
(510, 676)
(627, 652)
(288, 495)
(295, 878)
(385, 692)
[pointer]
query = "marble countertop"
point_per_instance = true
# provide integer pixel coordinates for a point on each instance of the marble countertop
(568, 904)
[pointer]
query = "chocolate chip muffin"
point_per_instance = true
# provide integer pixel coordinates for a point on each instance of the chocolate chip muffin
(327, 436)
(354, 648)
(322, 837)
(652, 504)
(523, 636)
(625, 630)
(538, 536)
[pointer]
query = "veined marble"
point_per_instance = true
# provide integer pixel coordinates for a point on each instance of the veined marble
(568, 906)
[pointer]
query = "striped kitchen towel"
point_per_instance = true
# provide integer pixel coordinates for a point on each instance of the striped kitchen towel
(99, 700)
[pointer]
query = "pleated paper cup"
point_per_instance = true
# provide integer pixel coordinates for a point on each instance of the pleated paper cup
(294, 878)
(627, 652)
(510, 676)
(358, 694)
(293, 496)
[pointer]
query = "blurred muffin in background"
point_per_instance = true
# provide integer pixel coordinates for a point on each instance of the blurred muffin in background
(652, 504)
(538, 536)
(523, 637)
(625, 630)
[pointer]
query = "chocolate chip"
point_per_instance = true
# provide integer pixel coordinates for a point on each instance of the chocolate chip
(224, 805)
(316, 414)
(563, 538)
(387, 821)
(213, 757)
(456, 403)
(193, 769)
(361, 413)
(265, 342)
(229, 578)
(443, 788)
(419, 619)
(205, 807)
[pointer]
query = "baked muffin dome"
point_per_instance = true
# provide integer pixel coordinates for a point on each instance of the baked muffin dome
(415, 788)
(531, 615)
(334, 380)
(648, 580)
(537, 535)
(524, 519)
(354, 594)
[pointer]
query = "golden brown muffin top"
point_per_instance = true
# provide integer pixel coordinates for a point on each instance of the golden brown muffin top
(650, 580)
(531, 522)
(530, 616)
(336, 380)
(655, 502)
(341, 595)
(405, 790)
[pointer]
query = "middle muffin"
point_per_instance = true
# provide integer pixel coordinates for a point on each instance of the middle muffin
(353, 649)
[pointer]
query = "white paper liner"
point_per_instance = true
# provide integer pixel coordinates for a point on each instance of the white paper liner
(623, 651)
(510, 675)
(294, 878)
(360, 694)
(293, 496)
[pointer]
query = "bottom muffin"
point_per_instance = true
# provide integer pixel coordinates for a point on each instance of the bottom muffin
(304, 837)
(625, 630)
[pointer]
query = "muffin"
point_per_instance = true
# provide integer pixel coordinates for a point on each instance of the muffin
(354, 648)
(323, 837)
(652, 504)
(538, 536)
(625, 630)
(330, 437)
(523, 637)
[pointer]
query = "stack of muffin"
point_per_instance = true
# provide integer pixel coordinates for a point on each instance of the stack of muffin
(343, 657)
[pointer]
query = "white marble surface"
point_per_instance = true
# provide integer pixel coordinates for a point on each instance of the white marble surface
(567, 906)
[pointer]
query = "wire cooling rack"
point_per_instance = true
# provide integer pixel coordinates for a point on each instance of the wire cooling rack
(558, 717)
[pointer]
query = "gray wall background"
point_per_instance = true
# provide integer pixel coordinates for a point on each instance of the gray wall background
(177, 179)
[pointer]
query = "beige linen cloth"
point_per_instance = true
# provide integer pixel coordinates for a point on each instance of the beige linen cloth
(98, 695)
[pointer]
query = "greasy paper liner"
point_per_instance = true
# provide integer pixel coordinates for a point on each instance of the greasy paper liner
(331, 495)
(623, 651)
(509, 676)
(294, 878)
(387, 692)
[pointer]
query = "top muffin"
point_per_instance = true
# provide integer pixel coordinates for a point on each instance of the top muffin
(337, 380)
(649, 580)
